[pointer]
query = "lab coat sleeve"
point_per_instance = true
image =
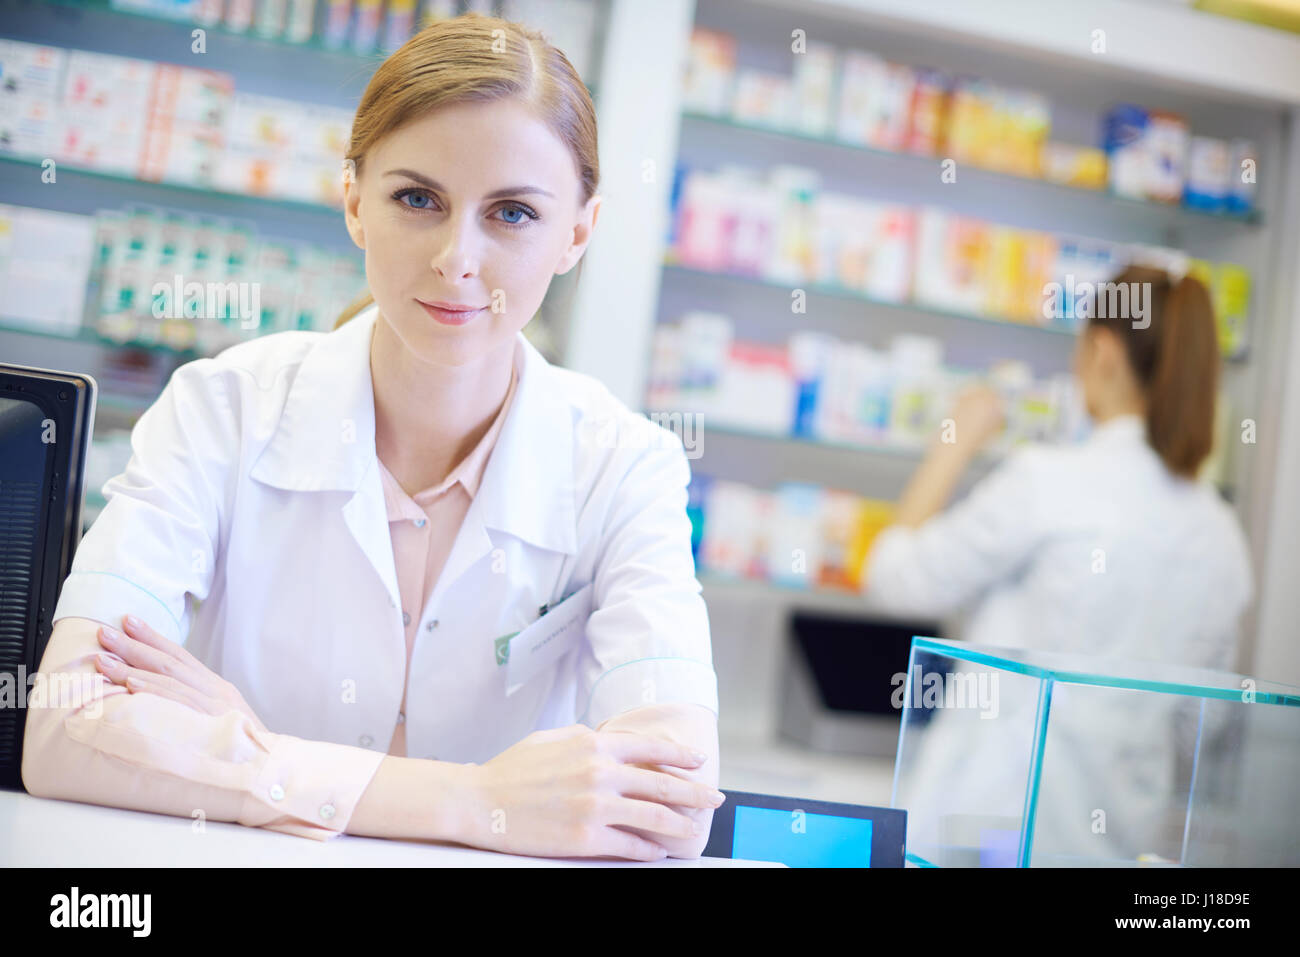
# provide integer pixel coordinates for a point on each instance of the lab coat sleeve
(648, 635)
(89, 740)
(951, 558)
(153, 548)
(155, 542)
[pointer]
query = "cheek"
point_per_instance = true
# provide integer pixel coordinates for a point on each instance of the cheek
(522, 271)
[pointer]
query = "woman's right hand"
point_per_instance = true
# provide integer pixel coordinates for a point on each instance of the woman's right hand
(565, 792)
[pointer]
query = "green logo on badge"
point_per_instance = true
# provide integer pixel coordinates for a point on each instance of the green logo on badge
(503, 647)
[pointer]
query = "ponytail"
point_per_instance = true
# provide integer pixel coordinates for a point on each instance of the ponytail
(1181, 393)
(1175, 358)
(354, 307)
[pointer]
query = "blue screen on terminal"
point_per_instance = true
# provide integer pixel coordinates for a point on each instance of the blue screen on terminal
(799, 839)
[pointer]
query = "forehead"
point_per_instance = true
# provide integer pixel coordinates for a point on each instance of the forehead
(475, 148)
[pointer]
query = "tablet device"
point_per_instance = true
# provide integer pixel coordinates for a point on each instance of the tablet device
(804, 833)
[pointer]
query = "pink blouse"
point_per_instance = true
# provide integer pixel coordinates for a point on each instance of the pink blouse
(151, 753)
(423, 528)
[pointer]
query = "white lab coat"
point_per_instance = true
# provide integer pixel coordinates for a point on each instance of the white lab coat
(1092, 549)
(250, 525)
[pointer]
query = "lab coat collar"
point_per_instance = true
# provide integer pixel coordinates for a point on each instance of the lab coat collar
(1127, 427)
(325, 439)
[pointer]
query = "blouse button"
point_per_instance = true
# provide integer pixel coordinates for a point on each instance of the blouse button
(367, 740)
(431, 625)
(401, 717)
(277, 792)
(327, 811)
(419, 523)
(406, 618)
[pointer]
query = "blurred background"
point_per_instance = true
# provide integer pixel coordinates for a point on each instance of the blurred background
(821, 219)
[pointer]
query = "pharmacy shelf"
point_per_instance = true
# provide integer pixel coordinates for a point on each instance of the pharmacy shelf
(840, 292)
(92, 337)
(179, 189)
(345, 55)
(1157, 41)
(984, 460)
(893, 450)
(374, 58)
(1167, 213)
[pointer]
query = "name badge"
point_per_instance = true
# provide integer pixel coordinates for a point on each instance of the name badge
(527, 653)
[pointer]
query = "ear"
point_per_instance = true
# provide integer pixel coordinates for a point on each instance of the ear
(352, 204)
(582, 231)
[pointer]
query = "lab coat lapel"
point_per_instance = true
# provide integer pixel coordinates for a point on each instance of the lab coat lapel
(325, 439)
(528, 487)
(366, 516)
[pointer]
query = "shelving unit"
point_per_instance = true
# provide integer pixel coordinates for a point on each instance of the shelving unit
(1169, 212)
(1228, 78)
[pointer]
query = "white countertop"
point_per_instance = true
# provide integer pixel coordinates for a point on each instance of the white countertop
(40, 832)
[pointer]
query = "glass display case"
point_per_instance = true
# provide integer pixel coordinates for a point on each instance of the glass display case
(1019, 758)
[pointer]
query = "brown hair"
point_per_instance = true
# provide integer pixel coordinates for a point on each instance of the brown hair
(464, 59)
(1175, 360)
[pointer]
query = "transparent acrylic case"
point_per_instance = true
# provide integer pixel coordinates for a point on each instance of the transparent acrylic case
(1018, 758)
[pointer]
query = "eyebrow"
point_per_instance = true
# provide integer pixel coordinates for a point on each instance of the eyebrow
(495, 194)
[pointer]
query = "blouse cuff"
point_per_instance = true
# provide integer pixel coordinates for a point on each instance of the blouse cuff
(309, 788)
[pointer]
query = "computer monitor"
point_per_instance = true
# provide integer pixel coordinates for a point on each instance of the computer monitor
(46, 420)
(804, 833)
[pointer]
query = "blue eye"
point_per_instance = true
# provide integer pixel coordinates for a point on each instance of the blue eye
(521, 214)
(526, 215)
(402, 194)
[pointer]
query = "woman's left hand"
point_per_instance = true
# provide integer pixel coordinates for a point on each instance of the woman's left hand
(157, 665)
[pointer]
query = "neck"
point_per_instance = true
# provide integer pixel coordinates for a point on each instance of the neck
(1114, 406)
(428, 416)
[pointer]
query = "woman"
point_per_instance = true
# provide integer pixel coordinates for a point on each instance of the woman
(409, 536)
(1111, 549)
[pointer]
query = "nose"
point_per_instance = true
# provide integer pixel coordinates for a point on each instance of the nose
(455, 254)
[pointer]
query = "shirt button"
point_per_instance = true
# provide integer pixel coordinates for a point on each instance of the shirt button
(327, 811)
(406, 618)
(431, 625)
(419, 523)
(277, 792)
(367, 740)
(401, 717)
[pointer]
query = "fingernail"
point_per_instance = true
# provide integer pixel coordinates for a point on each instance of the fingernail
(105, 661)
(132, 621)
(111, 634)
(699, 757)
(717, 797)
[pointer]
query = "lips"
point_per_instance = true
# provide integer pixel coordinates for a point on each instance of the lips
(451, 314)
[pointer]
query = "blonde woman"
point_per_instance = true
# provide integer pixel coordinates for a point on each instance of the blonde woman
(444, 589)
